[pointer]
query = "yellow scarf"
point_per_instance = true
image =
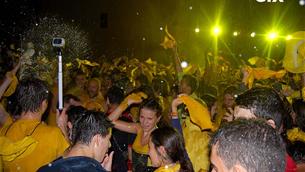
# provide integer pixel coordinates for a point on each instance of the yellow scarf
(296, 134)
(259, 74)
(198, 113)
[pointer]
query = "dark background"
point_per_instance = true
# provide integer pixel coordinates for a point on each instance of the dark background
(117, 27)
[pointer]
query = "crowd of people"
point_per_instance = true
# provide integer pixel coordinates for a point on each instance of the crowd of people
(129, 115)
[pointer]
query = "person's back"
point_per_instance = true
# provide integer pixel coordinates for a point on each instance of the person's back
(47, 143)
(50, 144)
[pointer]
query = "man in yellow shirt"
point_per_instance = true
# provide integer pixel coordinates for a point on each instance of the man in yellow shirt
(94, 99)
(32, 96)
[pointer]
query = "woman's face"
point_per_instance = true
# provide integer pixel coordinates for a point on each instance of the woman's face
(154, 155)
(148, 119)
(80, 80)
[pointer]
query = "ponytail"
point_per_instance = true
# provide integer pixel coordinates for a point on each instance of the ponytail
(185, 162)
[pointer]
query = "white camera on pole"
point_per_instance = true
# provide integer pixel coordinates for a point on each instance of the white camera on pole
(59, 43)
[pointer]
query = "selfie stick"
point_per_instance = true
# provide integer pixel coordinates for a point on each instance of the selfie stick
(60, 82)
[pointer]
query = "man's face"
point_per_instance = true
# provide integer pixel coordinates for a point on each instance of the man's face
(80, 80)
(228, 100)
(102, 147)
(217, 163)
(93, 89)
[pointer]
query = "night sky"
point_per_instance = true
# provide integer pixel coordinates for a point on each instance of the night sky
(132, 27)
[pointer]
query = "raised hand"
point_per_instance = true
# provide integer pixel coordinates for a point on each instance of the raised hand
(107, 162)
(135, 98)
(62, 121)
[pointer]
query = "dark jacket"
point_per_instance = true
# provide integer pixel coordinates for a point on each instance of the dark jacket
(73, 164)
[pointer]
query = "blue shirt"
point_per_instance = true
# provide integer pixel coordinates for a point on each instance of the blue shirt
(73, 164)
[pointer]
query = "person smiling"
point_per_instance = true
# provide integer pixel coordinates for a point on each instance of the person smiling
(150, 114)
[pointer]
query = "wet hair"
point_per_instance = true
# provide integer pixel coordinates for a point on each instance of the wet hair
(299, 108)
(191, 81)
(264, 103)
(253, 144)
(75, 112)
(31, 93)
(152, 104)
(115, 95)
(173, 144)
(88, 125)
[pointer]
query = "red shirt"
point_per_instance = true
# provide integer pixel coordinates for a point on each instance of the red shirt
(290, 164)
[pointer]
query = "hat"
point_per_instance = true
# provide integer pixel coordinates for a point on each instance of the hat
(294, 60)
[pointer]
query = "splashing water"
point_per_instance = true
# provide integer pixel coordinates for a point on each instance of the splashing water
(43, 63)
(42, 32)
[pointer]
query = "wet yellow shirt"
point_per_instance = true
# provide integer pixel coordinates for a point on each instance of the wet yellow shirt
(51, 144)
(137, 145)
(197, 145)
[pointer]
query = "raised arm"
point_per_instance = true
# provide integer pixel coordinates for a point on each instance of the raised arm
(129, 127)
(133, 98)
(177, 60)
(174, 115)
(8, 79)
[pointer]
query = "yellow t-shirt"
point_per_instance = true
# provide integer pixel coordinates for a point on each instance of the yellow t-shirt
(51, 144)
(197, 145)
(141, 149)
(137, 145)
(96, 103)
